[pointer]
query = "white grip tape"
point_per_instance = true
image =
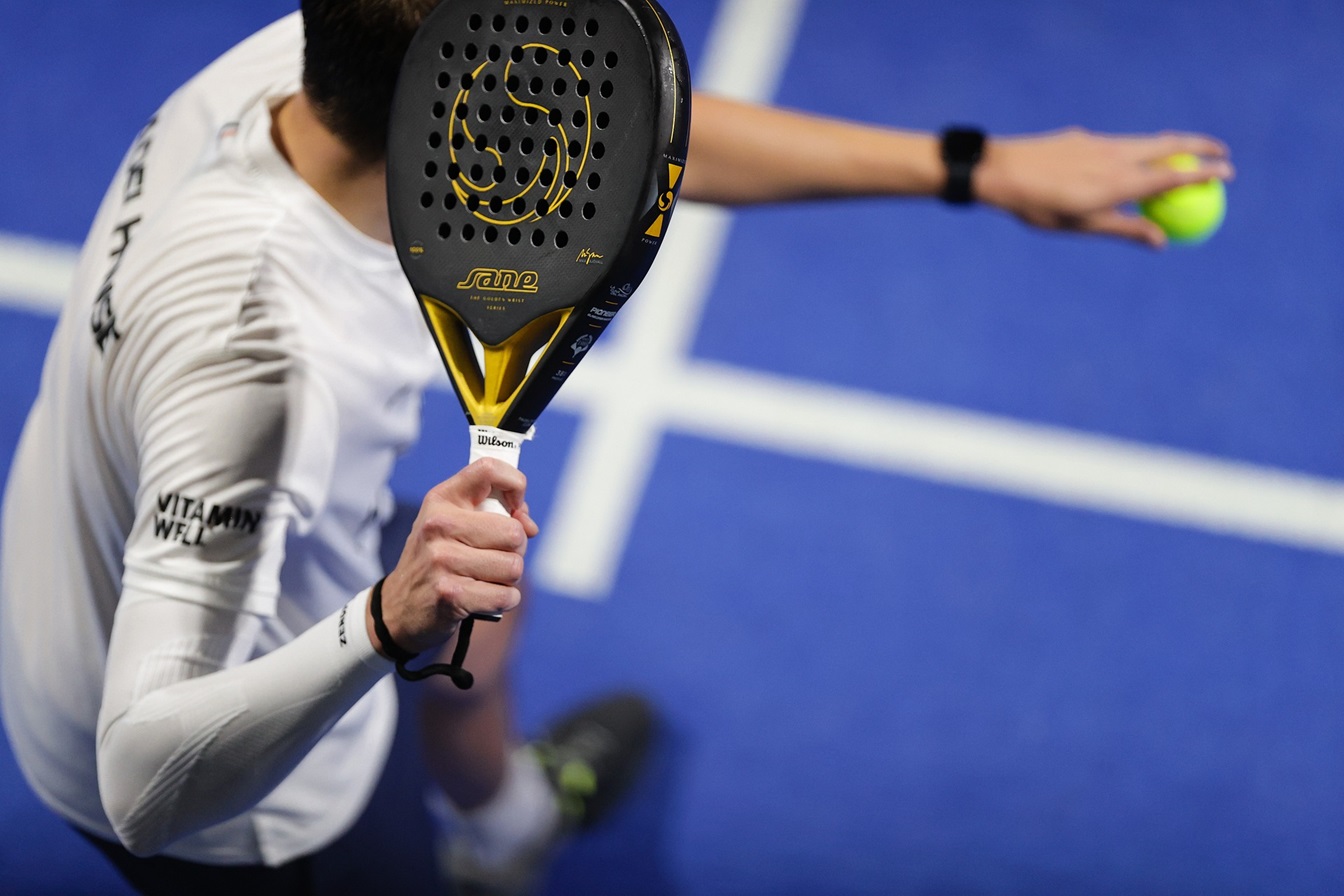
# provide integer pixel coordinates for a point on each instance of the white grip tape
(501, 444)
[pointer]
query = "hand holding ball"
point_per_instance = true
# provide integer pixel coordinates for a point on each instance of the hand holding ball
(1191, 214)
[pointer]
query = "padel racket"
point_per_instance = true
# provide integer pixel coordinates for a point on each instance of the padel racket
(534, 157)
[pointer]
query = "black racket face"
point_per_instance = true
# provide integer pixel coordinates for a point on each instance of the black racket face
(528, 138)
(534, 157)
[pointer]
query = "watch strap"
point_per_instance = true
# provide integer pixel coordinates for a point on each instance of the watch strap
(961, 149)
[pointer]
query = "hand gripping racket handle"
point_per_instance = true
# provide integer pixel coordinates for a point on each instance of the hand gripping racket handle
(504, 445)
(501, 444)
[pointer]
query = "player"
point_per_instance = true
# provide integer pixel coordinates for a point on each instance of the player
(193, 515)
(191, 676)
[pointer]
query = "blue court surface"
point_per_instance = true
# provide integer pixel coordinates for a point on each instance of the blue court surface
(961, 559)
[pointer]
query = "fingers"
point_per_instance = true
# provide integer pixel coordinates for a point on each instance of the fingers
(1076, 180)
(1160, 177)
(492, 478)
(1125, 226)
(487, 476)
(459, 560)
(1155, 173)
(438, 582)
(452, 557)
(1172, 143)
(530, 526)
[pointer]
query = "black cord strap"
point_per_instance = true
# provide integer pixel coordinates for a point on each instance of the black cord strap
(453, 669)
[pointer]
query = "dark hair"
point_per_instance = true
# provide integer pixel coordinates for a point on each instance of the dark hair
(352, 53)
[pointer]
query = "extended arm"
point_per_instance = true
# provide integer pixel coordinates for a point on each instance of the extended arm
(1075, 180)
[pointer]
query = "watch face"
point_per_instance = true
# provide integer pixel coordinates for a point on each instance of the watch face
(963, 145)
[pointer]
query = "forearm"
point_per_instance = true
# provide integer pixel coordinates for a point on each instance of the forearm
(741, 153)
(199, 751)
(1072, 179)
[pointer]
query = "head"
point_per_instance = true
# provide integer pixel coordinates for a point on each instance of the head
(352, 53)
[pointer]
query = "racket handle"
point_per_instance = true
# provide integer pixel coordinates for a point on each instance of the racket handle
(501, 444)
(492, 504)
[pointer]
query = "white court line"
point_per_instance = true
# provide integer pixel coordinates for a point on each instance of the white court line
(866, 430)
(34, 274)
(998, 454)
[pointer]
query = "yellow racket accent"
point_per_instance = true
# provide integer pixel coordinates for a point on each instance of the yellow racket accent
(489, 389)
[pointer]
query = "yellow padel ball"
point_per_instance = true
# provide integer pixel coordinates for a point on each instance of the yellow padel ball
(1191, 214)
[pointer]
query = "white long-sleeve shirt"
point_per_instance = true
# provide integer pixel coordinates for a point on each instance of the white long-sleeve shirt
(195, 507)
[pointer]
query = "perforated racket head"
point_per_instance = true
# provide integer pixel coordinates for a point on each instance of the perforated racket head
(534, 159)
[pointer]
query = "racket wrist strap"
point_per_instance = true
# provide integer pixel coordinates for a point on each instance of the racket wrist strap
(961, 147)
(402, 657)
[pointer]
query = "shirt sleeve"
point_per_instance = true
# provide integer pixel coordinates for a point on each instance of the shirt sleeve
(187, 740)
(234, 436)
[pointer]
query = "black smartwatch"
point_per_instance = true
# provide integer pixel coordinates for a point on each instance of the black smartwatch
(961, 149)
